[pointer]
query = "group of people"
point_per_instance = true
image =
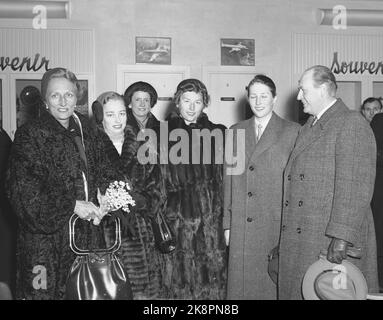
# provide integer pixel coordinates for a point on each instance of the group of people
(302, 190)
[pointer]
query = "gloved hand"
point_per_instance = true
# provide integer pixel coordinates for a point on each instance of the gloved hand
(337, 250)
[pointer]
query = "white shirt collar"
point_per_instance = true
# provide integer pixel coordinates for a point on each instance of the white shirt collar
(325, 109)
(263, 121)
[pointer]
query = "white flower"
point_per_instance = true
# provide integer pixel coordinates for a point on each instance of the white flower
(117, 196)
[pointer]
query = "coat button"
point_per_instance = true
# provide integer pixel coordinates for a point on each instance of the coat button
(250, 194)
(289, 177)
(286, 203)
(249, 219)
(283, 227)
(299, 230)
(302, 176)
(251, 168)
(300, 203)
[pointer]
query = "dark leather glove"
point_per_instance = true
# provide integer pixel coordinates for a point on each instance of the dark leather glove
(337, 250)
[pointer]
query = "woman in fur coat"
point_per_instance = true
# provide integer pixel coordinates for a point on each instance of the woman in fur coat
(120, 145)
(55, 168)
(197, 267)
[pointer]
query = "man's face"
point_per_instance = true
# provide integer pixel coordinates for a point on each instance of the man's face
(309, 95)
(370, 109)
(261, 100)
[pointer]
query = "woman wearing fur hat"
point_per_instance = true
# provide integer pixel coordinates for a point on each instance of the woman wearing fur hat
(139, 98)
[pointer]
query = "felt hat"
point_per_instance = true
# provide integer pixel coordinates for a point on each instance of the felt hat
(325, 280)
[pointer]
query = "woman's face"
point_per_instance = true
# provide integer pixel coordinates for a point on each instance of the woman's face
(61, 99)
(114, 117)
(190, 106)
(261, 100)
(140, 104)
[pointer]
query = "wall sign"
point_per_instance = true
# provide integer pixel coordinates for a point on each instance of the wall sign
(355, 67)
(30, 63)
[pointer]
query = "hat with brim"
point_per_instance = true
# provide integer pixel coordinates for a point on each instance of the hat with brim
(325, 280)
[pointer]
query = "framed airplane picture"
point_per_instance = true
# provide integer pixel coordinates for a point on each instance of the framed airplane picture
(237, 52)
(153, 50)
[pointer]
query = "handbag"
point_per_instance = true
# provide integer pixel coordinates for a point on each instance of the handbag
(164, 238)
(97, 274)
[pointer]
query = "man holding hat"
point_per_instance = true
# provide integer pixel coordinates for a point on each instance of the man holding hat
(328, 186)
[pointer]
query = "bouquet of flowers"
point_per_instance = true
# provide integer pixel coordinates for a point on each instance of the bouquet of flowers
(116, 197)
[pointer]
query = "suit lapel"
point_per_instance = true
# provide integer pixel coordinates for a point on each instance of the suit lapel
(309, 134)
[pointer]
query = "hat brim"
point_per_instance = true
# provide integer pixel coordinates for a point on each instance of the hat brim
(323, 265)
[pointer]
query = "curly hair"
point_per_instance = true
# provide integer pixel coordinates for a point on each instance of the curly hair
(194, 85)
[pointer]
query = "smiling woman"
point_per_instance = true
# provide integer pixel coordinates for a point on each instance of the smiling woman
(197, 267)
(55, 167)
(120, 145)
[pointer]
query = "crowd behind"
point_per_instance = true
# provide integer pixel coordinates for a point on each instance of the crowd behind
(304, 189)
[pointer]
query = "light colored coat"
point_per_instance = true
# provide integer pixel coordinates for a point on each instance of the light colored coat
(252, 208)
(328, 185)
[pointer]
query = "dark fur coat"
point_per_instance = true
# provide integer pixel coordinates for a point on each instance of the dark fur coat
(44, 182)
(138, 253)
(197, 268)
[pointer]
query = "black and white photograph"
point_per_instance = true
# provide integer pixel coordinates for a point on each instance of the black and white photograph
(191, 157)
(153, 50)
(237, 52)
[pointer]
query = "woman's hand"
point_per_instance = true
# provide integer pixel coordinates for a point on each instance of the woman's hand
(87, 210)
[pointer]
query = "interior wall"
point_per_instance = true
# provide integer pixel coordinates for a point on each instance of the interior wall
(196, 28)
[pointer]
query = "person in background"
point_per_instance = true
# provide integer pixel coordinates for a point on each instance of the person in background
(370, 107)
(7, 226)
(328, 186)
(377, 199)
(55, 168)
(139, 98)
(120, 145)
(196, 269)
(253, 200)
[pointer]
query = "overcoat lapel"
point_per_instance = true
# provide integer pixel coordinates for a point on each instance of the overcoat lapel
(309, 135)
(268, 137)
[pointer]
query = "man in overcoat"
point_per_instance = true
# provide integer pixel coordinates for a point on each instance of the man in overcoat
(253, 199)
(328, 186)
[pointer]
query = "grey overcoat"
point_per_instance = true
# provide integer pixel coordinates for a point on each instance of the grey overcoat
(252, 208)
(328, 186)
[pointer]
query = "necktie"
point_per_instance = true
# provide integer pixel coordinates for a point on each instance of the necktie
(259, 133)
(314, 121)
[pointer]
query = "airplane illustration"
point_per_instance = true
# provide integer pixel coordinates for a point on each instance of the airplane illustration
(235, 47)
(155, 53)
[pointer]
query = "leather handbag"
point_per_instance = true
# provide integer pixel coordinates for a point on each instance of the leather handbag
(163, 235)
(97, 274)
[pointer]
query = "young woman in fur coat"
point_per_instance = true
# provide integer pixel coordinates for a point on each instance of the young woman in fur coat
(120, 145)
(197, 267)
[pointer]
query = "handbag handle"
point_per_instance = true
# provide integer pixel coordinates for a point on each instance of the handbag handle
(78, 251)
(166, 233)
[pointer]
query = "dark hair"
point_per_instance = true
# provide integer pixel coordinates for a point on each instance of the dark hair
(98, 105)
(261, 78)
(369, 100)
(58, 73)
(321, 75)
(194, 85)
(140, 86)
